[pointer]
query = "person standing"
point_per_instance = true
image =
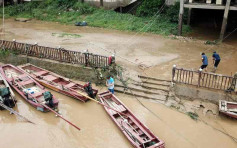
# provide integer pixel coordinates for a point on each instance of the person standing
(204, 62)
(216, 60)
(110, 84)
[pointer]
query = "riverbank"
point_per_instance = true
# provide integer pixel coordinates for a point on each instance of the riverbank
(95, 17)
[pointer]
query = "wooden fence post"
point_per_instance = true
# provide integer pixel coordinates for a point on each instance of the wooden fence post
(173, 72)
(199, 76)
(86, 58)
(14, 42)
(60, 53)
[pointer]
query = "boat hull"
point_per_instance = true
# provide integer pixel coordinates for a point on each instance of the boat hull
(228, 108)
(56, 82)
(31, 99)
(135, 131)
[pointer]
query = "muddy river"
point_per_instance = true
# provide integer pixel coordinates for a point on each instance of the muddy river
(97, 129)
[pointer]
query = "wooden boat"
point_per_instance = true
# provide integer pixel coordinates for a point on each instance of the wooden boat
(136, 132)
(57, 83)
(28, 88)
(228, 108)
(7, 97)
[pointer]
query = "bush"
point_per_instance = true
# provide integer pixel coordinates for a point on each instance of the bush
(149, 7)
(172, 12)
(83, 8)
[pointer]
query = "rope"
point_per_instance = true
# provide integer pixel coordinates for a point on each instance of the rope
(153, 20)
(230, 33)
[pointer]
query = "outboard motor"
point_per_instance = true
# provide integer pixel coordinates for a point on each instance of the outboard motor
(6, 97)
(48, 97)
(89, 90)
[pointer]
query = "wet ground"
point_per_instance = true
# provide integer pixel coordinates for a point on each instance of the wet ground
(98, 130)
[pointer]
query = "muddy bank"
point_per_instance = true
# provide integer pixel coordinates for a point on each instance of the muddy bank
(159, 54)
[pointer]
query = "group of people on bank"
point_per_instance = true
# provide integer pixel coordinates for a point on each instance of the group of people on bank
(216, 61)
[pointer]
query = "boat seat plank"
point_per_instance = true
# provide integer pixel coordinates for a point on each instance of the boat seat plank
(50, 78)
(121, 108)
(70, 85)
(38, 93)
(233, 110)
(23, 83)
(40, 73)
(23, 77)
(138, 124)
(141, 140)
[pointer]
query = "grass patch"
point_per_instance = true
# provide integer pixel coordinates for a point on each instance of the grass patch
(192, 115)
(72, 12)
(66, 35)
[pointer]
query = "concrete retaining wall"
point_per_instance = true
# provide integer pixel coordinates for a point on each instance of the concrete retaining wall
(193, 92)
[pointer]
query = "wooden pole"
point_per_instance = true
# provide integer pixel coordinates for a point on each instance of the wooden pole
(225, 18)
(60, 116)
(181, 11)
(173, 72)
(189, 16)
(101, 3)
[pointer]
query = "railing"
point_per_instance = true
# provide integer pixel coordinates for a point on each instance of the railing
(203, 79)
(57, 54)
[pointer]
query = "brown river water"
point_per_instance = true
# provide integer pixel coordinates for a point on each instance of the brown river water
(97, 129)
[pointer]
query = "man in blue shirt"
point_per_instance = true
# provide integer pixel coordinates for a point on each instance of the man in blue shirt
(216, 60)
(204, 62)
(110, 84)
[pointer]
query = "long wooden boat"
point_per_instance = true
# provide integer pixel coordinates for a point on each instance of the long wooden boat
(136, 132)
(7, 96)
(57, 83)
(228, 108)
(28, 88)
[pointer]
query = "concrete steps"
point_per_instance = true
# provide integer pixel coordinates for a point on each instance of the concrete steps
(140, 94)
(149, 88)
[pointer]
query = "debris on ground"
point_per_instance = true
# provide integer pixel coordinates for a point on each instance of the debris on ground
(22, 19)
(84, 23)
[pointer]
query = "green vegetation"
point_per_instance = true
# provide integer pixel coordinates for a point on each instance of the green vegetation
(192, 115)
(72, 11)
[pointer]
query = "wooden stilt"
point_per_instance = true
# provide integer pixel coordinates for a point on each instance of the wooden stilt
(181, 11)
(225, 18)
(189, 16)
(101, 3)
